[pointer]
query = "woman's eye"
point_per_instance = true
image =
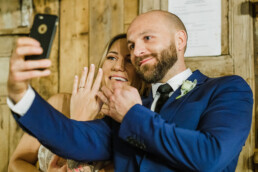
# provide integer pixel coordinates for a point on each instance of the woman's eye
(131, 47)
(111, 58)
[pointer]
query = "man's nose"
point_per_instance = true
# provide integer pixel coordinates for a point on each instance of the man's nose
(139, 49)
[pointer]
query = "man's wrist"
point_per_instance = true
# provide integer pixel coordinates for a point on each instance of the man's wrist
(15, 95)
(22, 106)
(15, 98)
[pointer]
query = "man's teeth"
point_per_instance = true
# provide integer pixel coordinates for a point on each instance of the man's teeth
(119, 79)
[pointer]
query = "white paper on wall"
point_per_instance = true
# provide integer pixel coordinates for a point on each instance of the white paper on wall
(202, 19)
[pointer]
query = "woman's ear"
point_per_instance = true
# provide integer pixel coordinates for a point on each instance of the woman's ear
(180, 40)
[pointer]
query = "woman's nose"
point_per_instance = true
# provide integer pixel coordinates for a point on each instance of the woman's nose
(119, 65)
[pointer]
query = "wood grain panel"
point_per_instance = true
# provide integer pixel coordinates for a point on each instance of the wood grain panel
(5, 131)
(212, 66)
(106, 20)
(74, 37)
(224, 27)
(10, 14)
(4, 134)
(241, 41)
(130, 12)
(4, 71)
(6, 47)
(148, 5)
(256, 75)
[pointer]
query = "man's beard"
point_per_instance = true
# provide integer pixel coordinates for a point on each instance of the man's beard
(154, 73)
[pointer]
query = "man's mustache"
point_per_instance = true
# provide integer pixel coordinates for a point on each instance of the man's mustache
(138, 59)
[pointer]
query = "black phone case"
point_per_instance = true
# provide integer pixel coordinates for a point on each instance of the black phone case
(43, 30)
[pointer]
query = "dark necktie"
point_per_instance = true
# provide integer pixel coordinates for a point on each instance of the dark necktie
(164, 91)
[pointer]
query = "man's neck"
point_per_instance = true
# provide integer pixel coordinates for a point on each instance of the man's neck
(173, 71)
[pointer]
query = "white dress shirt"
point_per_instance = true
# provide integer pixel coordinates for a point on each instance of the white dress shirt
(24, 104)
(175, 82)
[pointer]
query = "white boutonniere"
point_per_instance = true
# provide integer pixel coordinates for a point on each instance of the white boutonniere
(186, 87)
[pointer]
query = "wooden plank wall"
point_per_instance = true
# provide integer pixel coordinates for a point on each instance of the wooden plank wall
(256, 77)
(86, 26)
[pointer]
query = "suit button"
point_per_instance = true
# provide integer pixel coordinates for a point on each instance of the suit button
(142, 146)
(129, 139)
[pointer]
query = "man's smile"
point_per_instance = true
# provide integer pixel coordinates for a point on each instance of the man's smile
(146, 60)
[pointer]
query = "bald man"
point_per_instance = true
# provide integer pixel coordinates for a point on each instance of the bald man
(189, 122)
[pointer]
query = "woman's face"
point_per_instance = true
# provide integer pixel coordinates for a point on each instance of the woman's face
(117, 67)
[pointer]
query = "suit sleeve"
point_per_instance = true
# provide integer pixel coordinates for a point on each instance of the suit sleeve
(222, 130)
(81, 141)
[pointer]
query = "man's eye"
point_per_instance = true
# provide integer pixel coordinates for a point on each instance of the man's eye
(147, 37)
(111, 58)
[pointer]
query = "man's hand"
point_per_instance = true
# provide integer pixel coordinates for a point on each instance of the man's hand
(120, 101)
(21, 71)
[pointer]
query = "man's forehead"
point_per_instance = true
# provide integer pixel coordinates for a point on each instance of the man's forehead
(138, 32)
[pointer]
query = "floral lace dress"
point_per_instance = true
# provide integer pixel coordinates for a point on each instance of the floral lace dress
(45, 155)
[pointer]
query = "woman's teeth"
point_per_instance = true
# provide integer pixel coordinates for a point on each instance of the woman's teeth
(119, 79)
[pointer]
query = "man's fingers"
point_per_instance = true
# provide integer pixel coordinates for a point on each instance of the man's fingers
(105, 111)
(103, 98)
(27, 41)
(90, 77)
(97, 82)
(28, 50)
(36, 64)
(107, 92)
(75, 85)
(23, 76)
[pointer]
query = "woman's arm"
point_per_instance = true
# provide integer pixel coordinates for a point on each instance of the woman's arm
(25, 155)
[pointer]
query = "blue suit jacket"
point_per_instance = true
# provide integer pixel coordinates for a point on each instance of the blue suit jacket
(201, 131)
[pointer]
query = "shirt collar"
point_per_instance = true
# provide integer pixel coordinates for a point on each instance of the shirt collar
(175, 82)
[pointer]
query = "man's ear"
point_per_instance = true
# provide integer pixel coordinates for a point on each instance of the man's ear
(180, 40)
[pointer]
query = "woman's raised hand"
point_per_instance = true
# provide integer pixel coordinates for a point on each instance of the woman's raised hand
(85, 105)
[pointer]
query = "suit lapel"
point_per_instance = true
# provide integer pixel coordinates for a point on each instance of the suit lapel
(176, 103)
(147, 101)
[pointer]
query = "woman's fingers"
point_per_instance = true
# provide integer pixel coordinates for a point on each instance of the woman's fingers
(83, 77)
(87, 78)
(98, 80)
(90, 77)
(75, 85)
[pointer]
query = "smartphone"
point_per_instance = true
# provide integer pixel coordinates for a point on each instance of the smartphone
(43, 30)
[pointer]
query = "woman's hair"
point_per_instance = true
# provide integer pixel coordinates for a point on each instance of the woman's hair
(108, 46)
(142, 86)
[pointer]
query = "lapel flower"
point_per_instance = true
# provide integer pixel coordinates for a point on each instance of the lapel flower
(186, 87)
